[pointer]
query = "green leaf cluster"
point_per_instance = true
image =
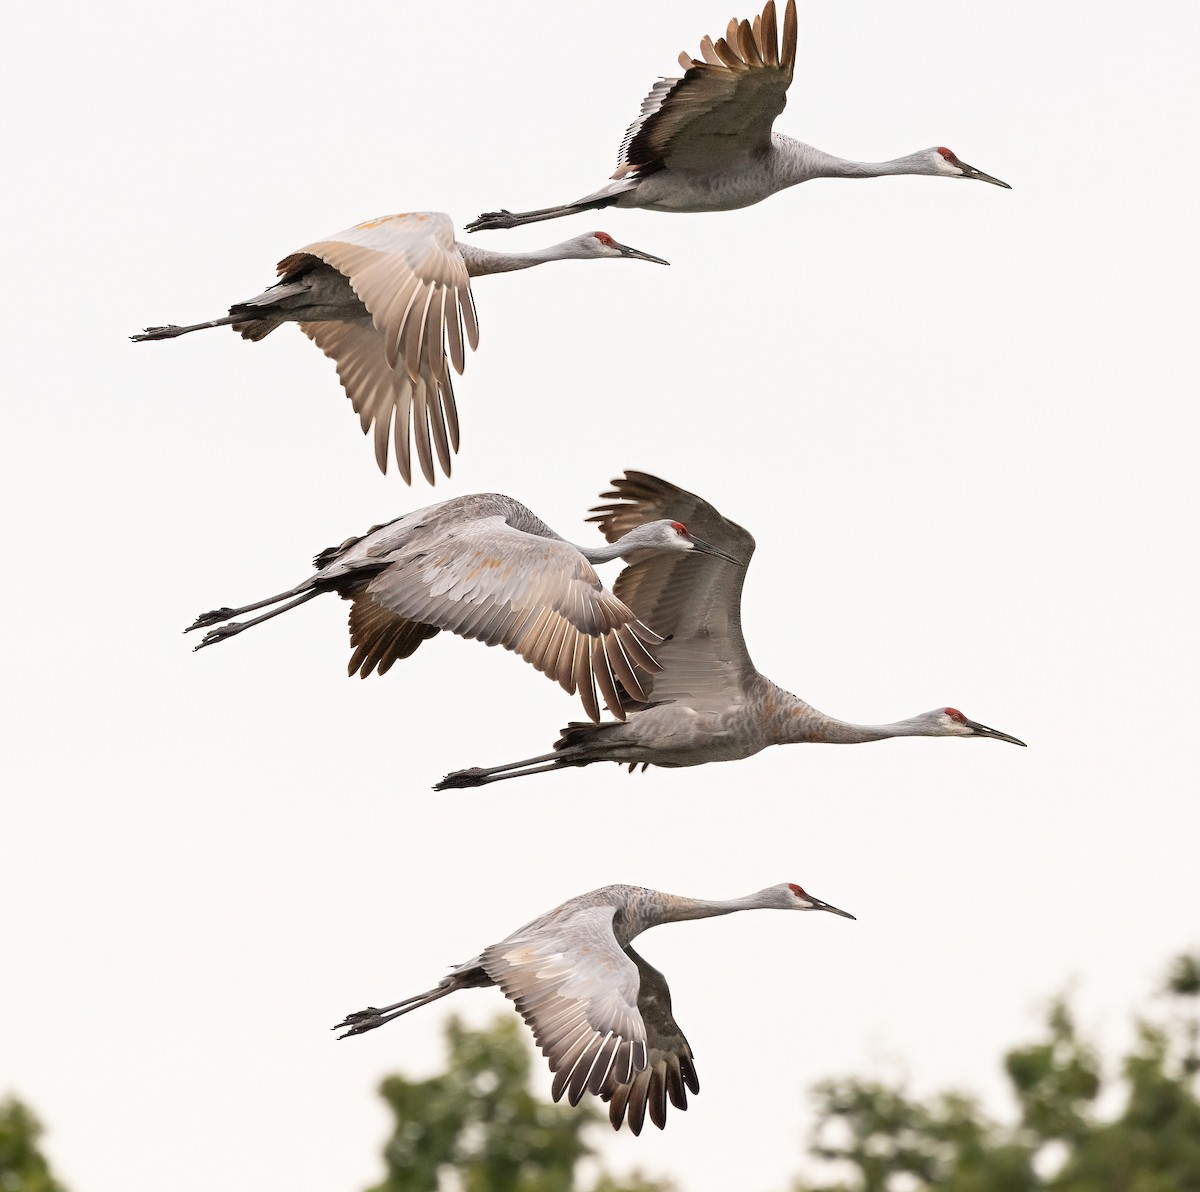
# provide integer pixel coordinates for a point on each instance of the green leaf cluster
(880, 1139)
(479, 1120)
(23, 1167)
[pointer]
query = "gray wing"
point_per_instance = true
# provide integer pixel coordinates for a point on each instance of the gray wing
(694, 600)
(670, 1069)
(578, 991)
(490, 581)
(721, 112)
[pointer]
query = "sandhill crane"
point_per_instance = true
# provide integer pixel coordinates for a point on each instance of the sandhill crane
(485, 567)
(600, 1014)
(387, 300)
(704, 142)
(706, 703)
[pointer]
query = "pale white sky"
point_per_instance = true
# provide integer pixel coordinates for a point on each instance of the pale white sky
(958, 421)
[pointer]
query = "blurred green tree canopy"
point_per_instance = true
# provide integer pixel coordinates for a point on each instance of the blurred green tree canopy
(23, 1167)
(479, 1120)
(882, 1140)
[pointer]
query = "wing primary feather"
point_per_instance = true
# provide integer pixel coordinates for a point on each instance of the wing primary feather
(401, 437)
(604, 678)
(450, 414)
(421, 426)
(769, 35)
(790, 37)
(454, 335)
(585, 685)
(748, 46)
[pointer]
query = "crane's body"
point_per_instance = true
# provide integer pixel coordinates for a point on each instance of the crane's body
(484, 566)
(705, 142)
(599, 1012)
(707, 702)
(390, 302)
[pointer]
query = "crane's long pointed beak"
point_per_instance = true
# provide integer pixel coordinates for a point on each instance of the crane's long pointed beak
(982, 730)
(980, 176)
(637, 254)
(833, 910)
(707, 548)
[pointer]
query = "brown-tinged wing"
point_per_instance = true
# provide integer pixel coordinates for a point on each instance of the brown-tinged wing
(486, 580)
(670, 1070)
(692, 599)
(421, 414)
(722, 110)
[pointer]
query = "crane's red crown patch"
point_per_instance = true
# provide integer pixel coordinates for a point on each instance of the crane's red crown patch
(680, 529)
(955, 714)
(605, 238)
(797, 890)
(948, 155)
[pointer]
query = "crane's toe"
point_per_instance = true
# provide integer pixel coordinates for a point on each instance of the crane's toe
(220, 634)
(168, 332)
(204, 620)
(492, 219)
(475, 776)
(360, 1021)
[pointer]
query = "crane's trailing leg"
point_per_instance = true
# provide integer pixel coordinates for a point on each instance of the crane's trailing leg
(235, 627)
(171, 330)
(362, 1021)
(478, 776)
(494, 220)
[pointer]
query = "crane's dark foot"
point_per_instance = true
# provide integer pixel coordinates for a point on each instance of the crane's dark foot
(460, 779)
(360, 1021)
(493, 219)
(204, 620)
(170, 331)
(220, 634)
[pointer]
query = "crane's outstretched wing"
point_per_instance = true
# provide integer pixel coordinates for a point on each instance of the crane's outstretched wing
(670, 1068)
(694, 600)
(721, 112)
(411, 277)
(578, 991)
(423, 413)
(485, 579)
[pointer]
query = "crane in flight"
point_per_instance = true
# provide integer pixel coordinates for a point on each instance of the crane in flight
(390, 302)
(600, 1014)
(706, 702)
(485, 567)
(704, 142)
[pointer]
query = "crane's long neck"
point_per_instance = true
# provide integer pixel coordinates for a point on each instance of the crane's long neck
(798, 162)
(673, 908)
(482, 261)
(601, 554)
(792, 721)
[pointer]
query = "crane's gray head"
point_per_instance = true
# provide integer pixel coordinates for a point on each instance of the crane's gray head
(664, 535)
(945, 164)
(950, 722)
(796, 898)
(601, 244)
